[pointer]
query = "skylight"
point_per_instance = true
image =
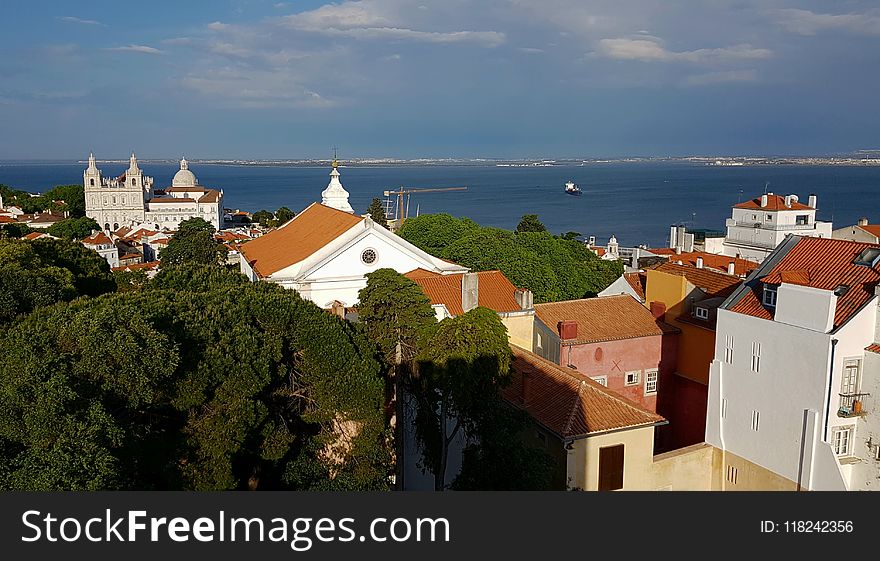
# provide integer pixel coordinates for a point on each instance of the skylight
(868, 257)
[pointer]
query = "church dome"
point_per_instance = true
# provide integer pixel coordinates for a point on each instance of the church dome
(184, 177)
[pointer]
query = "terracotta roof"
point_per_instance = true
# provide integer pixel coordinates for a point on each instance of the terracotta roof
(138, 266)
(130, 256)
(819, 263)
(568, 403)
(711, 282)
(122, 232)
(7, 220)
(210, 196)
(195, 189)
(159, 241)
(741, 267)
(873, 229)
(774, 202)
(637, 282)
(600, 251)
(874, 348)
(300, 237)
(163, 200)
(48, 217)
(606, 318)
(98, 238)
(34, 236)
(494, 291)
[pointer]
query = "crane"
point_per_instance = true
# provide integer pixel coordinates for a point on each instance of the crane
(403, 194)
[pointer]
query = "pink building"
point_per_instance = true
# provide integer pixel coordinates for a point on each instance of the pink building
(615, 341)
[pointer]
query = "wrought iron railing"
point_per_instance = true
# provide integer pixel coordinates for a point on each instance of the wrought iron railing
(852, 404)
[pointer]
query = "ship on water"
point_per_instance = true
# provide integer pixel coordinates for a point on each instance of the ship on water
(572, 189)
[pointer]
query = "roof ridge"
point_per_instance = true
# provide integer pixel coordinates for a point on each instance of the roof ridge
(576, 399)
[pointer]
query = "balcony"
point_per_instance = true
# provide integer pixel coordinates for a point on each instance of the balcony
(852, 404)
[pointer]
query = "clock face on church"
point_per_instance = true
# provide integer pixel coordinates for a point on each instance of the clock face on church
(369, 256)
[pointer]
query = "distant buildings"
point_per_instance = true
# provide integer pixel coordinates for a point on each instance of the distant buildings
(794, 383)
(758, 225)
(129, 199)
(104, 246)
(859, 232)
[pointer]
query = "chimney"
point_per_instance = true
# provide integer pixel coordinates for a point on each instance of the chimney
(863, 221)
(731, 268)
(678, 250)
(658, 310)
(470, 290)
(673, 236)
(524, 298)
(699, 262)
(788, 201)
(338, 309)
(567, 330)
(763, 200)
(811, 201)
(525, 388)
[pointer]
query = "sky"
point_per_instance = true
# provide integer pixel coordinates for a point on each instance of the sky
(438, 78)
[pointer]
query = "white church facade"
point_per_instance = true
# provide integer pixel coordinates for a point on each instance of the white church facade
(325, 251)
(129, 199)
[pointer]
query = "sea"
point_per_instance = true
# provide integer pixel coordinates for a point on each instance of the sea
(635, 201)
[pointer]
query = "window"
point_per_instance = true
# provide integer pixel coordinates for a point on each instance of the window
(651, 382)
(849, 382)
(134, 181)
(768, 218)
(701, 313)
(723, 407)
(611, 467)
(728, 349)
(92, 182)
(770, 295)
(756, 420)
(602, 380)
(756, 356)
(539, 341)
(802, 219)
(841, 441)
(868, 257)
(368, 256)
(732, 472)
(632, 378)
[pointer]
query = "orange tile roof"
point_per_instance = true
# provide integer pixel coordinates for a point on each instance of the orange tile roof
(494, 290)
(34, 236)
(711, 282)
(741, 267)
(821, 263)
(195, 189)
(7, 220)
(873, 347)
(299, 238)
(774, 202)
(210, 196)
(606, 318)
(137, 266)
(98, 238)
(637, 282)
(568, 403)
(164, 200)
(873, 229)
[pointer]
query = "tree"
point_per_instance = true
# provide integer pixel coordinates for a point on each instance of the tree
(242, 386)
(263, 217)
(127, 281)
(14, 230)
(377, 212)
(395, 314)
(459, 372)
(193, 243)
(530, 223)
(74, 228)
(283, 215)
(433, 232)
(570, 235)
(73, 196)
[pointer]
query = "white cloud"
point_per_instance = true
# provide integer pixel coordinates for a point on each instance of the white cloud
(652, 50)
(252, 89)
(805, 22)
(73, 19)
(723, 77)
(138, 49)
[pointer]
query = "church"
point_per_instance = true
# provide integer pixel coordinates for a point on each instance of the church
(326, 250)
(129, 199)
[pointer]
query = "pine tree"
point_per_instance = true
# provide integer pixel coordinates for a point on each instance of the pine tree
(377, 213)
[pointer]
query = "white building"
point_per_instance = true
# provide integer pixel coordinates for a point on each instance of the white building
(104, 246)
(861, 231)
(794, 384)
(324, 252)
(759, 225)
(129, 199)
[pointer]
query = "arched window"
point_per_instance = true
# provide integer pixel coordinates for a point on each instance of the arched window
(92, 182)
(115, 226)
(134, 181)
(106, 226)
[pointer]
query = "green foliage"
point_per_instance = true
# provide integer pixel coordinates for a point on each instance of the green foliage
(377, 212)
(127, 281)
(459, 372)
(193, 243)
(394, 311)
(72, 195)
(14, 230)
(283, 214)
(199, 277)
(263, 217)
(73, 228)
(239, 386)
(530, 223)
(552, 268)
(570, 235)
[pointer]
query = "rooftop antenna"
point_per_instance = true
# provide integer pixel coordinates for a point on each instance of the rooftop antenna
(767, 184)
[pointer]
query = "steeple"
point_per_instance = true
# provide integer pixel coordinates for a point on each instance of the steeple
(335, 195)
(133, 165)
(92, 164)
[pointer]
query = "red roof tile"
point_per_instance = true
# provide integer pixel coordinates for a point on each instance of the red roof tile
(568, 403)
(819, 263)
(98, 238)
(494, 290)
(774, 202)
(606, 318)
(873, 229)
(712, 283)
(637, 282)
(874, 348)
(741, 267)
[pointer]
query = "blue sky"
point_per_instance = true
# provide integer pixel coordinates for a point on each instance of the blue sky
(438, 78)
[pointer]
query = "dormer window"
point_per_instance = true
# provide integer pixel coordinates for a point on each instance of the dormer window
(770, 295)
(701, 313)
(868, 257)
